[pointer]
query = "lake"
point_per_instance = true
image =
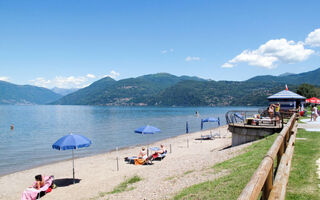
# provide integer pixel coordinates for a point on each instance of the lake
(37, 127)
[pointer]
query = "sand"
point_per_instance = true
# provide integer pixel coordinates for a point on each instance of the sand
(183, 167)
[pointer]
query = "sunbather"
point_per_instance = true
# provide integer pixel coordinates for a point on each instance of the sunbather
(162, 150)
(42, 185)
(143, 153)
(141, 159)
(39, 181)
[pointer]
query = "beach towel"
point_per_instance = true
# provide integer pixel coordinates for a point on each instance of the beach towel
(139, 161)
(32, 193)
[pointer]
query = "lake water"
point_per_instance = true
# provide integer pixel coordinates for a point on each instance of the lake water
(36, 128)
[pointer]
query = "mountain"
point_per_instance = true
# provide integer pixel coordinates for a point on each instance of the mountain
(213, 93)
(165, 89)
(132, 91)
(63, 91)
(25, 94)
(286, 74)
(312, 77)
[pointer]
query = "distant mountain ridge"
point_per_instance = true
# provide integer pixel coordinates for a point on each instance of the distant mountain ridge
(64, 91)
(162, 89)
(25, 94)
(131, 91)
(165, 89)
(311, 77)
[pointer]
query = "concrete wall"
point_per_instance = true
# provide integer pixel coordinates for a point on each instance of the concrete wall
(244, 134)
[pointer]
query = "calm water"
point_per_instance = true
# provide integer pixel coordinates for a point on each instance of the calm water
(36, 128)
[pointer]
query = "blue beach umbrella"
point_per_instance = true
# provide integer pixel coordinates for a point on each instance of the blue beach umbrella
(71, 141)
(147, 130)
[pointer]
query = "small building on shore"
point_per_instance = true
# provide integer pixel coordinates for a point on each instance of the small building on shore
(287, 99)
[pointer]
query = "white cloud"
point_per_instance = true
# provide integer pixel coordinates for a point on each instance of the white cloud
(64, 82)
(227, 65)
(41, 82)
(113, 74)
(313, 38)
(70, 81)
(164, 51)
(192, 58)
(273, 51)
(4, 78)
(167, 51)
(91, 76)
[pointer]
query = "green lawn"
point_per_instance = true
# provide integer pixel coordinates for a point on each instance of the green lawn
(240, 169)
(303, 180)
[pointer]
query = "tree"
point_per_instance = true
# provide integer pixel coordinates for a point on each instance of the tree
(308, 90)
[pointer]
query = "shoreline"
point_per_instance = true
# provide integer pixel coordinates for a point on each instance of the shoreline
(101, 153)
(106, 152)
(98, 173)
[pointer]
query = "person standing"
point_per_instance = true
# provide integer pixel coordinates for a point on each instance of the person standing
(277, 112)
(314, 113)
(271, 111)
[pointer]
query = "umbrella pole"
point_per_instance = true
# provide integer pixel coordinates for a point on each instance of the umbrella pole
(147, 145)
(73, 166)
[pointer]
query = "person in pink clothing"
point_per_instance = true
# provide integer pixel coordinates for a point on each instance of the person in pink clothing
(39, 182)
(42, 185)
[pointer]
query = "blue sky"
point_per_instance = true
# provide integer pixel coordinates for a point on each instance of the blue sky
(73, 43)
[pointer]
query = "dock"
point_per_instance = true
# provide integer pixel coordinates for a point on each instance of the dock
(246, 127)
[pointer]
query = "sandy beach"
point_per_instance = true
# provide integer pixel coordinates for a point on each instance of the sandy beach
(183, 167)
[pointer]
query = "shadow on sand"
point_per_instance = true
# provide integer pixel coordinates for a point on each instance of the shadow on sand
(63, 182)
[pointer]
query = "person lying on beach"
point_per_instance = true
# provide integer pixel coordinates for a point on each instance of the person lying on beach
(142, 158)
(138, 160)
(39, 181)
(43, 184)
(162, 150)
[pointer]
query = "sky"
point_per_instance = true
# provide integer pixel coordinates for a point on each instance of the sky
(70, 44)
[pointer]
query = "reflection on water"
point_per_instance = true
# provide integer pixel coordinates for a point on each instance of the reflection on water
(36, 128)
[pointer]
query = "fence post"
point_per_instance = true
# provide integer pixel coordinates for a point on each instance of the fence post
(279, 155)
(268, 185)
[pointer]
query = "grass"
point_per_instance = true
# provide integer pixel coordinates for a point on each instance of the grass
(124, 185)
(303, 180)
(240, 169)
(188, 172)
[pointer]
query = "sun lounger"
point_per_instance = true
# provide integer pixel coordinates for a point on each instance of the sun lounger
(161, 156)
(33, 193)
(216, 135)
(137, 161)
(207, 137)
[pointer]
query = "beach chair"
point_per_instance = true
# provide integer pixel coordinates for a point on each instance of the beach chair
(161, 156)
(207, 137)
(32, 193)
(138, 161)
(216, 135)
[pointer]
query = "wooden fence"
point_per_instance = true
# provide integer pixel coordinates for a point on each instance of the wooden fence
(271, 178)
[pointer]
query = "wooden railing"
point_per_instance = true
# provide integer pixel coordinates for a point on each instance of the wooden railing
(269, 182)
